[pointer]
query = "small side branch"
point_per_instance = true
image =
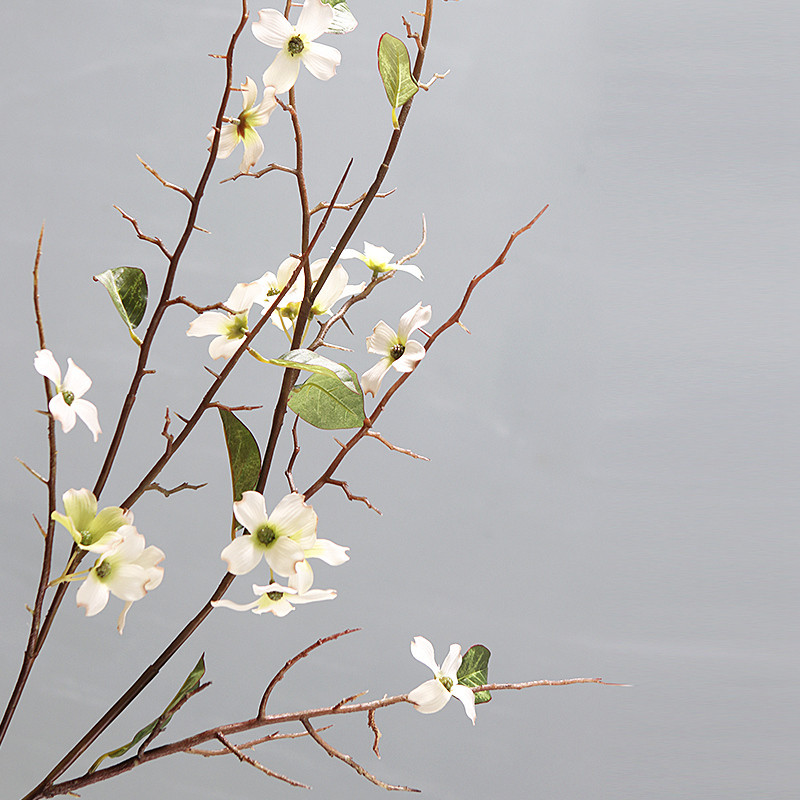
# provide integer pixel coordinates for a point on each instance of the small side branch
(350, 496)
(179, 189)
(334, 753)
(269, 168)
(181, 300)
(348, 206)
(197, 751)
(292, 661)
(295, 453)
(376, 435)
(373, 726)
(167, 492)
(253, 763)
(436, 76)
(144, 237)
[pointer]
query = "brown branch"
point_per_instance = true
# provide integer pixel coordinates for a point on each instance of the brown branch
(199, 309)
(262, 706)
(350, 496)
(253, 763)
(436, 76)
(349, 206)
(334, 753)
(269, 168)
(144, 237)
(32, 471)
(179, 189)
(376, 435)
(196, 751)
(167, 715)
(167, 492)
(411, 34)
(423, 240)
(373, 726)
(295, 453)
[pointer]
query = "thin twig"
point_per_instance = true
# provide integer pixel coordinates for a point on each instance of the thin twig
(375, 435)
(350, 496)
(436, 77)
(181, 487)
(421, 244)
(179, 189)
(32, 471)
(270, 168)
(334, 753)
(295, 453)
(373, 726)
(181, 300)
(350, 206)
(253, 763)
(262, 706)
(144, 237)
(196, 751)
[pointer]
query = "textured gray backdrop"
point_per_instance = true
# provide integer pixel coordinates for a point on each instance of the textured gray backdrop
(609, 492)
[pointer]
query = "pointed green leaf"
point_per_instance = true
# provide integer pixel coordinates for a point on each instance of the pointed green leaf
(311, 362)
(324, 402)
(189, 685)
(243, 453)
(127, 287)
(394, 66)
(474, 671)
(343, 19)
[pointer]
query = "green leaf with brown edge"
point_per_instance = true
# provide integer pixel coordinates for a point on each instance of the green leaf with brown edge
(394, 65)
(127, 288)
(189, 686)
(325, 402)
(244, 456)
(311, 362)
(474, 671)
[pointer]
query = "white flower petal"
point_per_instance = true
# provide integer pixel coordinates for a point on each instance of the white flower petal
(81, 507)
(76, 380)
(62, 412)
(328, 551)
(321, 60)
(413, 319)
(251, 511)
(253, 150)
(411, 269)
(272, 28)
(452, 662)
(127, 581)
(234, 606)
(313, 596)
(223, 347)
(303, 577)
(122, 616)
(467, 697)
(371, 379)
(249, 93)
(429, 697)
(292, 517)
(92, 595)
(228, 139)
(315, 18)
(45, 364)
(422, 650)
(280, 608)
(283, 555)
(88, 413)
(241, 555)
(243, 296)
(282, 72)
(131, 546)
(382, 340)
(350, 253)
(413, 354)
(209, 323)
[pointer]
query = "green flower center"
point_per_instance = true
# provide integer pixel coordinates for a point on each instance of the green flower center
(272, 291)
(295, 46)
(446, 682)
(266, 535)
(397, 351)
(238, 327)
(87, 539)
(102, 570)
(275, 596)
(68, 396)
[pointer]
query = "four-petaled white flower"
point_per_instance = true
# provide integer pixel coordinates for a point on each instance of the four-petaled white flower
(281, 537)
(252, 117)
(67, 404)
(230, 329)
(432, 696)
(378, 258)
(276, 599)
(128, 570)
(90, 530)
(396, 349)
(296, 44)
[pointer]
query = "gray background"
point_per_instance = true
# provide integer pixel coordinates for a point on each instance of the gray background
(612, 474)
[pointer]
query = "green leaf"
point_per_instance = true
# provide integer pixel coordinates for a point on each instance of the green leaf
(474, 671)
(243, 453)
(394, 66)
(189, 685)
(127, 287)
(311, 362)
(324, 402)
(343, 19)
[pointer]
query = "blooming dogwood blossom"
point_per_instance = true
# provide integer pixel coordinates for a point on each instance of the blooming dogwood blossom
(280, 537)
(252, 117)
(66, 405)
(396, 349)
(230, 329)
(276, 599)
(90, 530)
(296, 43)
(378, 258)
(432, 696)
(127, 570)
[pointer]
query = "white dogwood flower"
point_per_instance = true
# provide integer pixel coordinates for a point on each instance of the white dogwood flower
(281, 537)
(432, 696)
(378, 260)
(128, 570)
(66, 405)
(296, 43)
(90, 530)
(396, 349)
(276, 599)
(230, 329)
(253, 116)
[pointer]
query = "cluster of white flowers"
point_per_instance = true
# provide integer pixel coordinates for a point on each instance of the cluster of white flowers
(126, 568)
